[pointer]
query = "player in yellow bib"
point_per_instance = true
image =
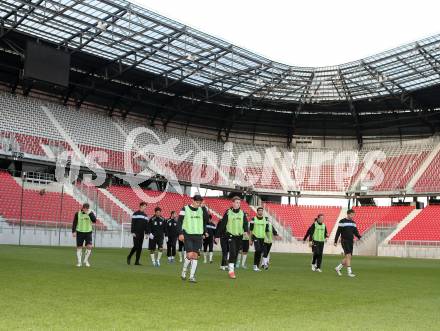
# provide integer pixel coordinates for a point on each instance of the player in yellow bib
(232, 226)
(259, 226)
(317, 235)
(82, 230)
(192, 221)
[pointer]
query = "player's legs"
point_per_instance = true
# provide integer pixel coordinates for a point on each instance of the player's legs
(340, 266)
(159, 251)
(266, 252)
(181, 249)
(347, 246)
(211, 248)
(133, 250)
(205, 249)
(169, 248)
(193, 246)
(89, 246)
(79, 248)
(239, 254)
(245, 250)
(194, 256)
(238, 259)
(139, 243)
(137, 248)
(152, 248)
(79, 256)
(234, 246)
(348, 264)
(319, 253)
(315, 255)
(173, 247)
(258, 244)
(225, 248)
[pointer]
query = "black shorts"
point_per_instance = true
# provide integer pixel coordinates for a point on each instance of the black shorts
(245, 246)
(83, 237)
(155, 242)
(347, 246)
(193, 243)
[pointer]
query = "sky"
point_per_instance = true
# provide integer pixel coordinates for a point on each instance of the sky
(307, 33)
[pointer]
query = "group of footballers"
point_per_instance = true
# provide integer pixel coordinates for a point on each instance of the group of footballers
(193, 229)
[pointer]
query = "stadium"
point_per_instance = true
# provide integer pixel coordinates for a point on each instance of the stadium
(105, 104)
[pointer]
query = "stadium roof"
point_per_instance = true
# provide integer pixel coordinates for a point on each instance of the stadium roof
(135, 37)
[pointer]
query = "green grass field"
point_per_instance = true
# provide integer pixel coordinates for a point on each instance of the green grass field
(42, 289)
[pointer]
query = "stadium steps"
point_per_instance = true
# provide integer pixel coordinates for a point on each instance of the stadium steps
(79, 196)
(371, 239)
(285, 233)
(402, 224)
(420, 171)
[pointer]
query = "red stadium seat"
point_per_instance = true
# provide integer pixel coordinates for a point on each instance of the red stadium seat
(299, 218)
(38, 209)
(424, 227)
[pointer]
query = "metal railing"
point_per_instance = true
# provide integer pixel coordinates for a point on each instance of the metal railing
(99, 199)
(415, 243)
(30, 232)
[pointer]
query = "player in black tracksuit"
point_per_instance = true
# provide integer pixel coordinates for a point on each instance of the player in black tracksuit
(208, 242)
(346, 230)
(156, 232)
(172, 232)
(139, 222)
(317, 235)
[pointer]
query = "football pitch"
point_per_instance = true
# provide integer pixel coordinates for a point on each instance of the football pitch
(42, 289)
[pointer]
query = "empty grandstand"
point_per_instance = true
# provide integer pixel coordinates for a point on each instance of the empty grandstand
(145, 97)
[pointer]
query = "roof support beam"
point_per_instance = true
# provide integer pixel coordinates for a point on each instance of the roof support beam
(217, 56)
(238, 82)
(352, 109)
(375, 74)
(113, 19)
(171, 37)
(414, 69)
(433, 62)
(31, 8)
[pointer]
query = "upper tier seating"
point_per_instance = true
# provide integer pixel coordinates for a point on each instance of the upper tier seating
(429, 181)
(25, 127)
